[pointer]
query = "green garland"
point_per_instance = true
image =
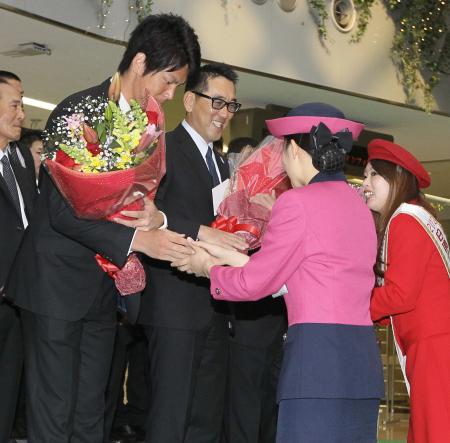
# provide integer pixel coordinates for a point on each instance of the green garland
(319, 7)
(143, 9)
(364, 15)
(421, 43)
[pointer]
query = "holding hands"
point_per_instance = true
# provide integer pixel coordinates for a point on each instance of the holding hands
(205, 256)
(161, 244)
(215, 248)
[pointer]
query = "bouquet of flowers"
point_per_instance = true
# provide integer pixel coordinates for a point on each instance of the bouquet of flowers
(104, 161)
(257, 171)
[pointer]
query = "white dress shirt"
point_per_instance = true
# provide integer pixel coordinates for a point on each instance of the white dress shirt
(201, 145)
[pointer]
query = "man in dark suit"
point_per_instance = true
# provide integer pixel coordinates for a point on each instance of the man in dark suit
(256, 348)
(17, 193)
(20, 154)
(69, 307)
(187, 330)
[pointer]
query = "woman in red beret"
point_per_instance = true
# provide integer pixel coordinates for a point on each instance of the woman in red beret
(413, 266)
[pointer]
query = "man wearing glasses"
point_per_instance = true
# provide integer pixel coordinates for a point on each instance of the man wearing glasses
(187, 329)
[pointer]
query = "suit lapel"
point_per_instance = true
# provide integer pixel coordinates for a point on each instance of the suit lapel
(189, 149)
(224, 169)
(5, 191)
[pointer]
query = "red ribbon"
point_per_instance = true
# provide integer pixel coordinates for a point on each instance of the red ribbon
(230, 224)
(107, 266)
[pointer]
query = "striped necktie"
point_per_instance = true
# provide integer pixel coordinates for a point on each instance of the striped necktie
(10, 180)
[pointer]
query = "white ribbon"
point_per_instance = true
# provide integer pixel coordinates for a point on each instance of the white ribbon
(434, 230)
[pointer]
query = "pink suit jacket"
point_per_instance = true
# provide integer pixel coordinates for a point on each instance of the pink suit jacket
(321, 243)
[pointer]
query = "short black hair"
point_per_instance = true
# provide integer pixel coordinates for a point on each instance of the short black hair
(237, 144)
(168, 42)
(200, 82)
(4, 81)
(303, 140)
(7, 75)
(29, 136)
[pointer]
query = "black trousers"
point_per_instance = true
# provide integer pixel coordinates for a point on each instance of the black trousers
(255, 356)
(251, 406)
(67, 365)
(188, 380)
(11, 361)
(130, 352)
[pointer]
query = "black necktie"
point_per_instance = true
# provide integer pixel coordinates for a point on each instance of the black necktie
(212, 168)
(10, 180)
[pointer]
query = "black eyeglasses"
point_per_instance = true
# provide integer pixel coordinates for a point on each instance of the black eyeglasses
(220, 103)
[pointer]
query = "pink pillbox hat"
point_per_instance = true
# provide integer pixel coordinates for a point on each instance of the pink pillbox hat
(301, 119)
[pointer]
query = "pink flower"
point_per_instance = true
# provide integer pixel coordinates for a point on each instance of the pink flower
(148, 137)
(74, 121)
(152, 132)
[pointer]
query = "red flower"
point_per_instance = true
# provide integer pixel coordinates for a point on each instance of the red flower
(152, 117)
(93, 148)
(89, 134)
(64, 159)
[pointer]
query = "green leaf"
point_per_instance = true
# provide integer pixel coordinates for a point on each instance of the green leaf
(101, 132)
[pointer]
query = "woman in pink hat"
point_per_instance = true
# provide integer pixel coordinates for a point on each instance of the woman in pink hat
(413, 269)
(320, 245)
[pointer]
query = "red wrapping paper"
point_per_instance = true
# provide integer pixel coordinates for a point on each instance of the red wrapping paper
(103, 195)
(261, 172)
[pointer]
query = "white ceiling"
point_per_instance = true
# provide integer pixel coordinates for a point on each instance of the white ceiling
(79, 61)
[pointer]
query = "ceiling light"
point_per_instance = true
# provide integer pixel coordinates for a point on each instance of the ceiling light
(28, 49)
(38, 103)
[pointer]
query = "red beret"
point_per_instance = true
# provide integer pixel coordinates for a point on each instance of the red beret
(385, 150)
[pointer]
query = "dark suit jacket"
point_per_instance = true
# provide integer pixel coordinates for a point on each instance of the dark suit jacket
(11, 226)
(173, 299)
(59, 249)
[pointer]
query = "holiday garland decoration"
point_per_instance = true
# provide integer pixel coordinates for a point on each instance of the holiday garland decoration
(421, 44)
(142, 8)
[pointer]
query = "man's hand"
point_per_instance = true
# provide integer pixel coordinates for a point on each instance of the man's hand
(266, 200)
(221, 238)
(161, 244)
(199, 263)
(145, 220)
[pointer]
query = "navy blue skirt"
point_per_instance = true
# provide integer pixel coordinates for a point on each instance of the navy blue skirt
(305, 420)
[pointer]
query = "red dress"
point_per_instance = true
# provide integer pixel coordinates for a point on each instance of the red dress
(416, 293)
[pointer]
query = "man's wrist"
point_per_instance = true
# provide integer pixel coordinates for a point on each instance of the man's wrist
(130, 249)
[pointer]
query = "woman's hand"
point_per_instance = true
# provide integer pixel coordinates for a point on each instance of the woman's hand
(222, 256)
(199, 263)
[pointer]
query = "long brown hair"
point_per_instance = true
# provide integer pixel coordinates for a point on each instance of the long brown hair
(403, 188)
